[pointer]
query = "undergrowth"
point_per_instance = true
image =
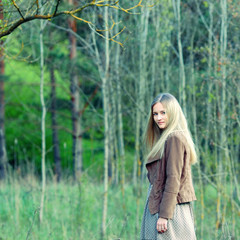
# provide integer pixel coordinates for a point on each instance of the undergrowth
(74, 211)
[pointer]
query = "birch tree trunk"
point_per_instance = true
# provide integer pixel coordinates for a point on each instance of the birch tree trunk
(55, 138)
(3, 152)
(140, 109)
(182, 77)
(224, 103)
(43, 118)
(75, 100)
(156, 19)
(105, 94)
(119, 116)
(209, 82)
(223, 137)
(216, 135)
(193, 86)
(141, 92)
(112, 162)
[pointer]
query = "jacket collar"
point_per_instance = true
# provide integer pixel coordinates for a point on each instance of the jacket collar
(153, 159)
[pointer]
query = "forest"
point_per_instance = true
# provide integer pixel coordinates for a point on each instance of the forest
(77, 79)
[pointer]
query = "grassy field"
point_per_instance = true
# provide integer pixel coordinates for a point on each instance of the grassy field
(74, 212)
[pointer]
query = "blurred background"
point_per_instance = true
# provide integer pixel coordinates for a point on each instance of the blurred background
(77, 80)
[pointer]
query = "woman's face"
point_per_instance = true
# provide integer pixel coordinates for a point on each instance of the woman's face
(159, 115)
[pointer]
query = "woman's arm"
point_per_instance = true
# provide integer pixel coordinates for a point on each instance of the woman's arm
(174, 154)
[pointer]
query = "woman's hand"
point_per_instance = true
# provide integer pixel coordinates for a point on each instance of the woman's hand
(162, 225)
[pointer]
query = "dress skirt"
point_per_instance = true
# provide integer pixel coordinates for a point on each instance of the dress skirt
(181, 227)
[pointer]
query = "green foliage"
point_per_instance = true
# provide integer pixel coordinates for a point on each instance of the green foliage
(23, 115)
(74, 211)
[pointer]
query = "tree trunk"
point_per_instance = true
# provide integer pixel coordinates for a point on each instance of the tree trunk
(119, 116)
(156, 19)
(105, 94)
(224, 104)
(195, 134)
(55, 138)
(140, 110)
(3, 152)
(141, 92)
(209, 82)
(42, 120)
(75, 99)
(182, 77)
(223, 137)
(112, 161)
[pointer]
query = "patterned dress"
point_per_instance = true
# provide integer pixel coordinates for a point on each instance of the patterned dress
(181, 227)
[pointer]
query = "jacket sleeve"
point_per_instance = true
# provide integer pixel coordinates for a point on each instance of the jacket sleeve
(174, 153)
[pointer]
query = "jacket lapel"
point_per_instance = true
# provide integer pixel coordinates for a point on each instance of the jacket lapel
(152, 159)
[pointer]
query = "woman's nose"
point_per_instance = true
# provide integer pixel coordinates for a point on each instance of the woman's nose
(159, 116)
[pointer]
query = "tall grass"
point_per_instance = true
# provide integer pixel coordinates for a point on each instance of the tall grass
(73, 211)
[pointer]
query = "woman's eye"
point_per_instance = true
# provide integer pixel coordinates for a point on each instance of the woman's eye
(163, 113)
(154, 114)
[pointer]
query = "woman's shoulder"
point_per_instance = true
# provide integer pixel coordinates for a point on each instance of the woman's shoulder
(176, 141)
(177, 135)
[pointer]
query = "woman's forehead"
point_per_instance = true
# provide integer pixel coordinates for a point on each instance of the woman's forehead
(158, 107)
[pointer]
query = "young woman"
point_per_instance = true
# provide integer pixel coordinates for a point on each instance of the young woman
(168, 212)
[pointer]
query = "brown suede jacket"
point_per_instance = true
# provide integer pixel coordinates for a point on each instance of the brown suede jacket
(171, 177)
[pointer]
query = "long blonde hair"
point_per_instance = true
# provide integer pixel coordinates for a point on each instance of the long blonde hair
(177, 123)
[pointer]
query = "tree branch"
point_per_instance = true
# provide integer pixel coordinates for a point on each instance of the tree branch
(44, 17)
(56, 8)
(9, 29)
(18, 9)
(37, 3)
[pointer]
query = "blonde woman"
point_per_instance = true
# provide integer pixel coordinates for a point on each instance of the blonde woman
(168, 213)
